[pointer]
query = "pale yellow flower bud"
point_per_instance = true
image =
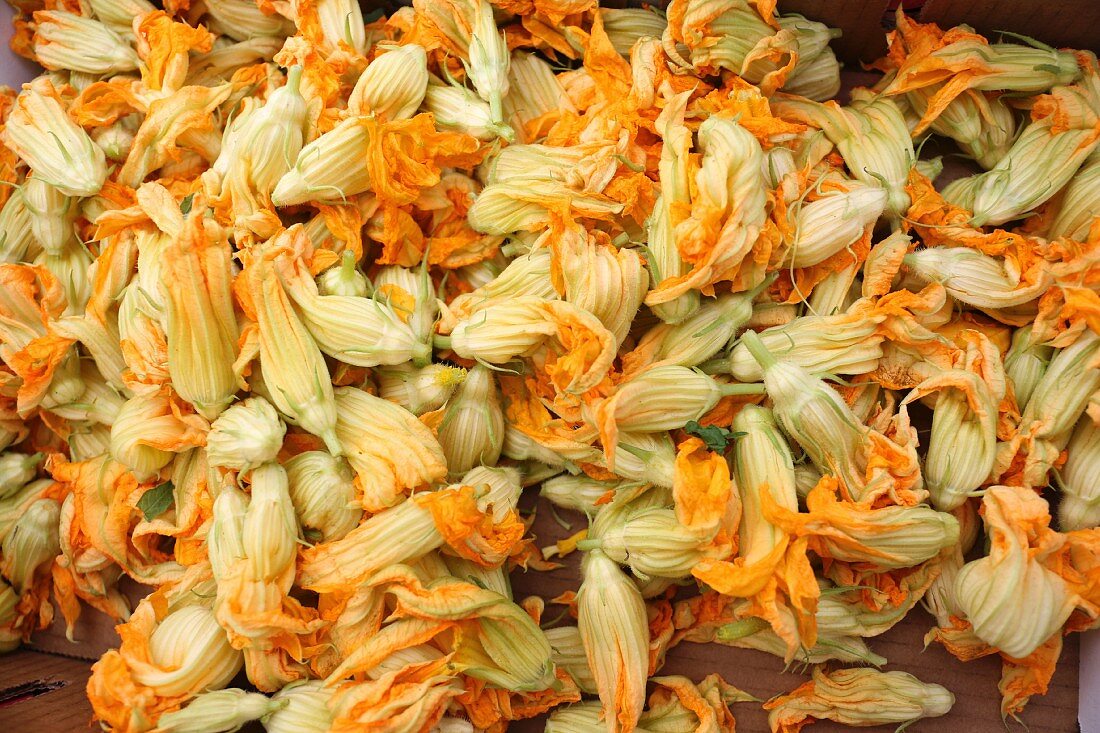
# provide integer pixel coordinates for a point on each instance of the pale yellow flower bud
(89, 441)
(344, 279)
(120, 14)
(615, 631)
(645, 457)
(533, 91)
(504, 208)
(306, 709)
(653, 543)
(393, 85)
(962, 446)
(294, 371)
(145, 422)
(39, 131)
(1079, 478)
(1040, 162)
(457, 108)
(1078, 207)
(242, 19)
(472, 431)
(17, 240)
(389, 449)
(31, 544)
(72, 267)
(568, 654)
(269, 535)
(342, 23)
(578, 493)
(16, 470)
(419, 389)
(527, 274)
(762, 462)
(359, 331)
(828, 225)
(975, 278)
(225, 542)
(817, 78)
(9, 639)
(580, 717)
(246, 435)
(1012, 601)
(222, 710)
(859, 697)
(52, 213)
(836, 344)
(625, 26)
(322, 489)
(411, 294)
(328, 169)
(489, 61)
(200, 323)
(983, 125)
(65, 40)
(189, 651)
(609, 283)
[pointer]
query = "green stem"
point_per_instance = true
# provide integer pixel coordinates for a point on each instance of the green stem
(758, 350)
(587, 545)
(715, 366)
(294, 78)
(736, 390)
(441, 342)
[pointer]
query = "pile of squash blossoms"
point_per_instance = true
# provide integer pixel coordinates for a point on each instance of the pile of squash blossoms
(295, 304)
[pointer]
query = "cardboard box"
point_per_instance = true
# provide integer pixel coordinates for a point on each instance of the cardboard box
(42, 685)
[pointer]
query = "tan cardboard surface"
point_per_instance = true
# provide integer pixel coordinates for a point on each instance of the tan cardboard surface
(1061, 23)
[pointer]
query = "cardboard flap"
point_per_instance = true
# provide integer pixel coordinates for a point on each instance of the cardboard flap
(1066, 23)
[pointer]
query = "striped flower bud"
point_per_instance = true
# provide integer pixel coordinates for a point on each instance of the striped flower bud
(1025, 363)
(831, 223)
(419, 389)
(222, 710)
(17, 240)
(624, 26)
(817, 78)
(609, 283)
(241, 20)
(975, 278)
(612, 620)
(293, 369)
(359, 331)
(188, 652)
(9, 638)
(1078, 207)
(322, 489)
(148, 430)
(52, 214)
(245, 436)
(201, 326)
(577, 493)
(66, 41)
(1056, 404)
(472, 431)
(344, 279)
(527, 274)
(393, 84)
(388, 448)
(327, 169)
(269, 534)
(505, 208)
(762, 462)
(71, 162)
(660, 398)
(225, 542)
(534, 93)
(1013, 602)
(963, 444)
(568, 653)
(457, 108)
(16, 471)
(836, 344)
(700, 336)
(814, 415)
(983, 125)
(31, 544)
(120, 14)
(342, 24)
(653, 543)
(72, 267)
(306, 709)
(1079, 478)
(524, 326)
(411, 294)
(1040, 162)
(859, 697)
(646, 457)
(489, 61)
